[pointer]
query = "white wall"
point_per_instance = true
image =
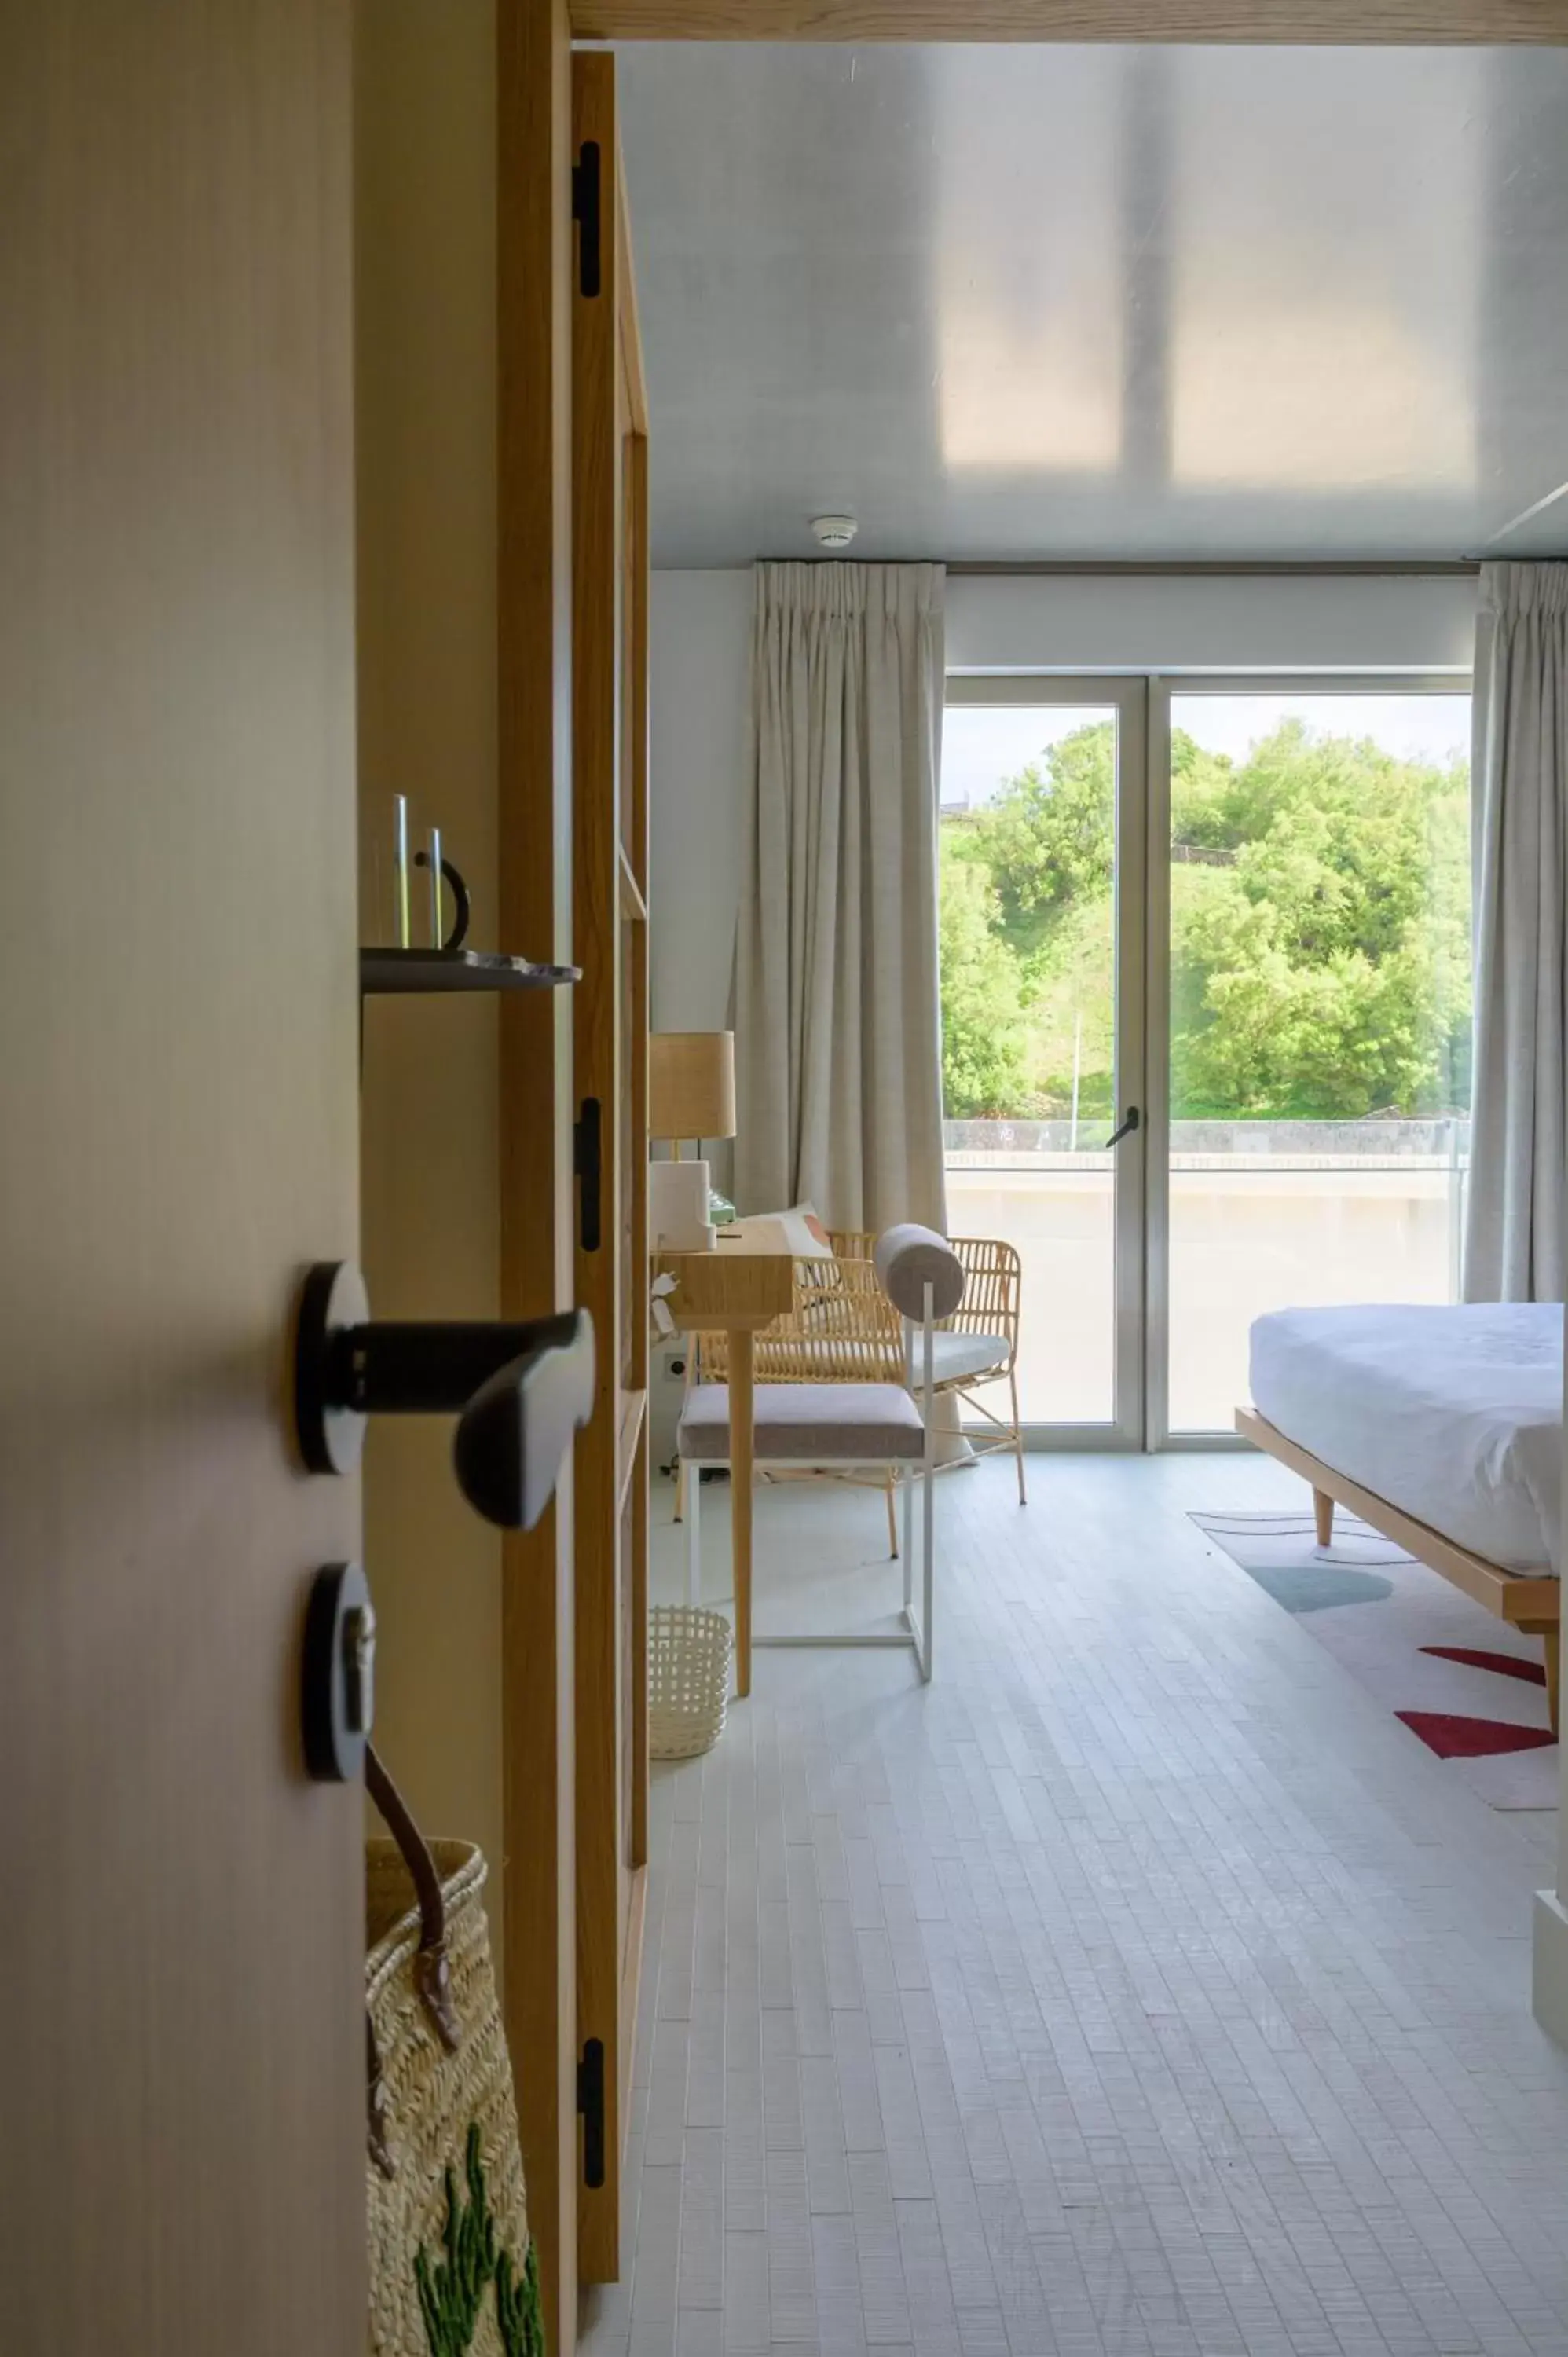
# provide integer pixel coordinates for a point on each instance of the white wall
(699, 629)
(1061, 622)
(699, 632)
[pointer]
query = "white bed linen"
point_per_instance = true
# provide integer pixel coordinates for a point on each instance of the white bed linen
(1454, 1415)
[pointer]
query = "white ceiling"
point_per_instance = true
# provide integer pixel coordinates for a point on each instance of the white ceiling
(1019, 303)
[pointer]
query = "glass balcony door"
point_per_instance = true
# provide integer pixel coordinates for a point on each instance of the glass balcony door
(1226, 922)
(1309, 983)
(1043, 839)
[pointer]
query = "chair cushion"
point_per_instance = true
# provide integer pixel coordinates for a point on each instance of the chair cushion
(958, 1358)
(817, 1424)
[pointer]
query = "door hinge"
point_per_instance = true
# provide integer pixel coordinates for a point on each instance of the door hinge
(586, 211)
(587, 1164)
(591, 2104)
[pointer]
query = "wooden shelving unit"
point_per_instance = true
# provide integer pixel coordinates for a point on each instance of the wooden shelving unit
(609, 1009)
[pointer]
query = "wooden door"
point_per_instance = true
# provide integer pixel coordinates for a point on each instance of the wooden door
(610, 838)
(182, 2163)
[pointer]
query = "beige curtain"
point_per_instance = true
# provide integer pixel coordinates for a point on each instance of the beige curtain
(838, 1026)
(1514, 1242)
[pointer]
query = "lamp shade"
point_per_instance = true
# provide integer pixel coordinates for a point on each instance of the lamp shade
(691, 1084)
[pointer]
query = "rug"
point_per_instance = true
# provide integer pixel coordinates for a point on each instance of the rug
(1470, 1687)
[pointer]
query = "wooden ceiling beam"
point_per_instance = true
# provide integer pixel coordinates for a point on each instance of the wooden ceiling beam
(1388, 22)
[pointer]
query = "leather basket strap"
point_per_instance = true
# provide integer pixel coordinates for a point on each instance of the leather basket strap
(432, 1973)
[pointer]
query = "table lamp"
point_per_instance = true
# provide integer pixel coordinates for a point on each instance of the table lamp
(691, 1093)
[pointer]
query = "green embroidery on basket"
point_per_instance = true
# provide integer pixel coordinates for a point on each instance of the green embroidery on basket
(452, 2291)
(516, 2306)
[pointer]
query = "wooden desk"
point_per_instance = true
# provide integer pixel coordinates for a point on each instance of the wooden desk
(734, 1294)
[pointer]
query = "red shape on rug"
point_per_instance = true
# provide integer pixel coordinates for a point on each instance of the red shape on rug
(1472, 1739)
(1508, 1665)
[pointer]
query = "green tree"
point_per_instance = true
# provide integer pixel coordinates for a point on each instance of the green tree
(1071, 1011)
(1320, 961)
(983, 1031)
(1321, 968)
(1046, 848)
(1050, 837)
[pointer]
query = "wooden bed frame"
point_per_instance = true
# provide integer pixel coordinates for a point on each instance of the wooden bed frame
(1531, 1605)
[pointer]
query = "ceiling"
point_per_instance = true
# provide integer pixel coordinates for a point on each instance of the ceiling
(1115, 303)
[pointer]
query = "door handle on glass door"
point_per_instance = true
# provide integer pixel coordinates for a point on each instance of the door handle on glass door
(1124, 1128)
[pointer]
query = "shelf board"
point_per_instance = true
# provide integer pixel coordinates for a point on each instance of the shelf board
(390, 971)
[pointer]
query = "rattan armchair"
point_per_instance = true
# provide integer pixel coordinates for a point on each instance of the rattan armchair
(978, 1346)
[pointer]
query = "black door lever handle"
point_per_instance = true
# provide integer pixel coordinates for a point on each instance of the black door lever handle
(520, 1391)
(1124, 1128)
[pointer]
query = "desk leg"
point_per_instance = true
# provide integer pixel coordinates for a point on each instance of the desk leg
(740, 1438)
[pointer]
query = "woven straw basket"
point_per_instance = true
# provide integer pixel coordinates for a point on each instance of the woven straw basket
(688, 1680)
(451, 2270)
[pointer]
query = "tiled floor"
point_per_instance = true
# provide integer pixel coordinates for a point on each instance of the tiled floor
(1139, 1987)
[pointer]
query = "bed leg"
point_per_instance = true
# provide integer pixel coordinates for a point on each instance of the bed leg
(1323, 1515)
(1551, 1635)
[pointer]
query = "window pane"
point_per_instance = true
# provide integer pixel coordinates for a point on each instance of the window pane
(1320, 1016)
(1028, 877)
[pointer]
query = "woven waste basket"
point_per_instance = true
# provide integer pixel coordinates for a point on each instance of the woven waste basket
(688, 1680)
(452, 2267)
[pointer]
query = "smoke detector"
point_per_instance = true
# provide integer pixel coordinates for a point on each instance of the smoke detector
(834, 531)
